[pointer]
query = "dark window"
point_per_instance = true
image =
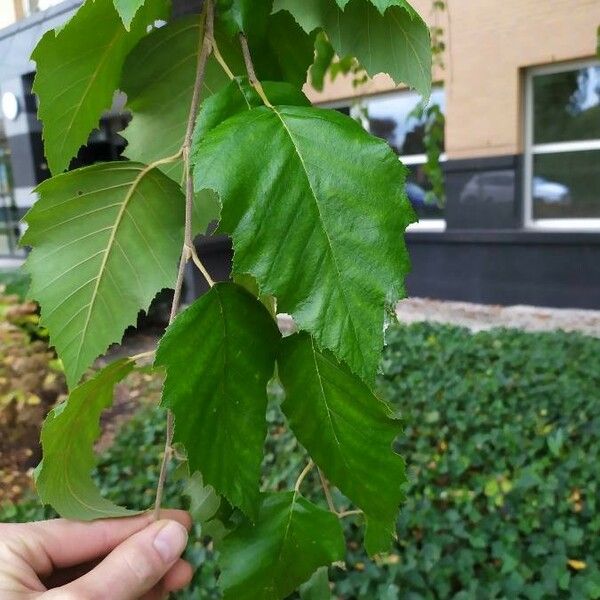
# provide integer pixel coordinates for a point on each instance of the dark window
(391, 117)
(563, 153)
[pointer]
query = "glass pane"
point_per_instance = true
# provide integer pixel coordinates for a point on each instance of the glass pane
(566, 185)
(9, 226)
(389, 117)
(417, 187)
(566, 106)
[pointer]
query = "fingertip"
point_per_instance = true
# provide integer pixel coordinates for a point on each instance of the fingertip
(181, 516)
(170, 540)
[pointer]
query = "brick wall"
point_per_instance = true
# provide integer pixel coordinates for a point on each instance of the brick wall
(490, 44)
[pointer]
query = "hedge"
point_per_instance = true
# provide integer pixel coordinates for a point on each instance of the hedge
(502, 441)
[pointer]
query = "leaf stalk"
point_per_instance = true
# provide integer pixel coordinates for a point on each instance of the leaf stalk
(254, 82)
(307, 469)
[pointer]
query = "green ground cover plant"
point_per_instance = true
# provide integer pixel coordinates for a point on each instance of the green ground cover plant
(502, 442)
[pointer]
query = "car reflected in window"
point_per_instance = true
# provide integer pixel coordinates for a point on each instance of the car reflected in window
(499, 187)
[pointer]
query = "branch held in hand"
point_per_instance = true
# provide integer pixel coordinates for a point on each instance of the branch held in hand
(188, 243)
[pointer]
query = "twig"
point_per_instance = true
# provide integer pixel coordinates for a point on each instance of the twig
(254, 82)
(179, 283)
(327, 492)
(164, 465)
(201, 266)
(137, 357)
(221, 60)
(207, 34)
(307, 469)
(349, 513)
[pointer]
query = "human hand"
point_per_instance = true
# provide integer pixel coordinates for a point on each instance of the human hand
(115, 559)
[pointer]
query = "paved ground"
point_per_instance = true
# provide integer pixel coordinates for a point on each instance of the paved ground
(481, 316)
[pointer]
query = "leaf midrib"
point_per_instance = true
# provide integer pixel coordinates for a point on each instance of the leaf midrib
(67, 471)
(106, 55)
(104, 262)
(324, 396)
(322, 221)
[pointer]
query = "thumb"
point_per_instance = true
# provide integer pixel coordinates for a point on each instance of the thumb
(134, 567)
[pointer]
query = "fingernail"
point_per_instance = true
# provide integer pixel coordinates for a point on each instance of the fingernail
(170, 541)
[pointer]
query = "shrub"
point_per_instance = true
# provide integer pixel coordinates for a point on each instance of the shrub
(502, 440)
(31, 381)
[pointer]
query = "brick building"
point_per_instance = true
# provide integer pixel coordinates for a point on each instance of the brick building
(520, 92)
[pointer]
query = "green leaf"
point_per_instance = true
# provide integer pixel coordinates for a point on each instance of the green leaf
(105, 240)
(204, 501)
(396, 40)
(127, 10)
(249, 283)
(285, 53)
(383, 5)
(63, 478)
(219, 355)
(206, 210)
(269, 560)
(378, 535)
(344, 427)
(309, 14)
(316, 216)
(158, 79)
(78, 70)
(396, 43)
(208, 510)
(248, 16)
(280, 49)
(239, 96)
(317, 587)
(324, 55)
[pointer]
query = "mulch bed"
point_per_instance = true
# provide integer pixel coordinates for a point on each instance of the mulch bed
(32, 383)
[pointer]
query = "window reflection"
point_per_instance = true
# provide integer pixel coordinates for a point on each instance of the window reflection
(9, 218)
(390, 117)
(491, 187)
(567, 105)
(566, 185)
(564, 163)
(417, 186)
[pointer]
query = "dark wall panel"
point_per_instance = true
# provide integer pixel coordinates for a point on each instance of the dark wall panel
(508, 269)
(558, 270)
(484, 193)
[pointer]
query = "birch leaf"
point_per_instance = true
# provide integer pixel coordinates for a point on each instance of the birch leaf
(63, 478)
(106, 239)
(78, 71)
(219, 355)
(290, 540)
(317, 217)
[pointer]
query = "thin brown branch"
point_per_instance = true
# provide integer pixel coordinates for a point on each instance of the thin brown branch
(200, 265)
(307, 469)
(162, 478)
(221, 60)
(207, 29)
(349, 513)
(207, 36)
(254, 82)
(142, 355)
(327, 492)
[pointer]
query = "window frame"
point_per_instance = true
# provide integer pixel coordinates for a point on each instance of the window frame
(531, 150)
(423, 225)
